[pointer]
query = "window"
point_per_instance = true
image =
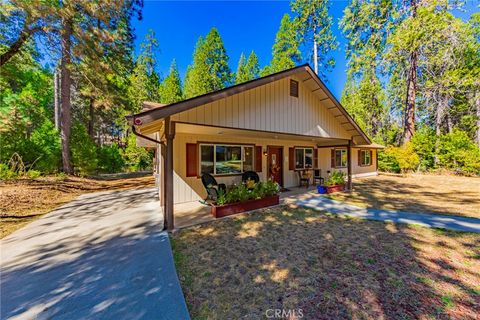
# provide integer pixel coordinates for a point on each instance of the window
(221, 159)
(340, 158)
(294, 88)
(365, 158)
(303, 158)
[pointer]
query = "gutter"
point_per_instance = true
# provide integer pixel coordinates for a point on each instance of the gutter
(138, 134)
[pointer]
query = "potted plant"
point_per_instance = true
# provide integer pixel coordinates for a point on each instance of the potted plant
(335, 182)
(241, 198)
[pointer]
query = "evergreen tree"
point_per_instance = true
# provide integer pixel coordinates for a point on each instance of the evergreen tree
(171, 87)
(240, 76)
(313, 24)
(144, 80)
(366, 24)
(209, 70)
(286, 53)
(248, 69)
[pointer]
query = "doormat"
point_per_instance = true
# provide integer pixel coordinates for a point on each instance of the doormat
(282, 189)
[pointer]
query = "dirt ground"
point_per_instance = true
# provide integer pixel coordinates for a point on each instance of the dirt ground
(22, 201)
(326, 266)
(443, 194)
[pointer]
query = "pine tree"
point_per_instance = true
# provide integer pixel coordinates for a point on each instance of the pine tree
(313, 24)
(240, 76)
(171, 87)
(286, 53)
(144, 80)
(252, 68)
(366, 24)
(209, 70)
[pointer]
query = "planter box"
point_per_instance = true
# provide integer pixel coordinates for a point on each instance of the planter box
(336, 188)
(233, 208)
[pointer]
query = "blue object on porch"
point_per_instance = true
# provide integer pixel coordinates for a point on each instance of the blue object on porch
(322, 189)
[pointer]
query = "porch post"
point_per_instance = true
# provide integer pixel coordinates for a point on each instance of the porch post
(349, 165)
(168, 176)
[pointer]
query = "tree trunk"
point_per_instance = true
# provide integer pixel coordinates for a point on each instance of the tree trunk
(315, 55)
(409, 122)
(439, 116)
(476, 101)
(91, 112)
(65, 112)
(57, 102)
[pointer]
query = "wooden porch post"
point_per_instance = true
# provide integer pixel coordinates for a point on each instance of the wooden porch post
(349, 165)
(168, 176)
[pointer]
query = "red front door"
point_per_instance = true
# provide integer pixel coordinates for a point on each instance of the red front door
(275, 162)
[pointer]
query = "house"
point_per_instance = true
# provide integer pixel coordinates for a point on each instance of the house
(275, 125)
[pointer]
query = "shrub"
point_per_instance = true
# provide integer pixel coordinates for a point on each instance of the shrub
(335, 178)
(110, 159)
(136, 158)
(424, 145)
(6, 173)
(399, 159)
(33, 174)
(84, 151)
(458, 152)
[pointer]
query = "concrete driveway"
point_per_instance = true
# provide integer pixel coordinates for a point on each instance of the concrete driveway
(102, 256)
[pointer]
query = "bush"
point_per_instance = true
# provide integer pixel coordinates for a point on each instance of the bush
(398, 159)
(240, 193)
(458, 152)
(136, 158)
(335, 178)
(84, 151)
(6, 173)
(110, 159)
(424, 145)
(33, 174)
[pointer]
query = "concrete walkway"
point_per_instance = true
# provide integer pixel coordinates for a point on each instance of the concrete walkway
(427, 220)
(102, 256)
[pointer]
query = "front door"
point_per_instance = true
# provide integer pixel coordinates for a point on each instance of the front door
(275, 162)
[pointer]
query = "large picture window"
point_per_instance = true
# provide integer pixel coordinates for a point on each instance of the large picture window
(221, 159)
(365, 158)
(303, 158)
(340, 158)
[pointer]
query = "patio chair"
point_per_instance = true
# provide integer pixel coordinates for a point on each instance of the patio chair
(304, 177)
(317, 176)
(250, 178)
(212, 186)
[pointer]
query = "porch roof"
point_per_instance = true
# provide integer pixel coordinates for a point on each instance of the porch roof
(155, 112)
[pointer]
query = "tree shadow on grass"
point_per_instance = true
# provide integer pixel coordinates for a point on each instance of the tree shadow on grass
(327, 266)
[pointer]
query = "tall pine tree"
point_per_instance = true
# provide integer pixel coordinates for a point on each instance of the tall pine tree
(286, 53)
(171, 87)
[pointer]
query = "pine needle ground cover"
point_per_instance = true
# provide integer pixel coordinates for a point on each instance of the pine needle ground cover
(25, 200)
(329, 267)
(442, 194)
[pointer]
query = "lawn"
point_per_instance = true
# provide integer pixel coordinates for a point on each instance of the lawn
(24, 200)
(452, 195)
(328, 266)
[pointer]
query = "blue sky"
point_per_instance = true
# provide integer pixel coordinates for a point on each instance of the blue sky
(243, 25)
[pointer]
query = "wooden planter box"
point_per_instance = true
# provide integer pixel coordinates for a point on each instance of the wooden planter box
(233, 208)
(336, 188)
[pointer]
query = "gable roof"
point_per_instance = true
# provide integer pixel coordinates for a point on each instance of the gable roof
(156, 111)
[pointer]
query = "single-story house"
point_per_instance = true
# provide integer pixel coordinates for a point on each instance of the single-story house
(275, 125)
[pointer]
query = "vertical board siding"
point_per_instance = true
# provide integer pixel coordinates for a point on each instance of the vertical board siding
(270, 108)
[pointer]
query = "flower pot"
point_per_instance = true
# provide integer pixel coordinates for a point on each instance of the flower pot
(233, 208)
(335, 188)
(322, 189)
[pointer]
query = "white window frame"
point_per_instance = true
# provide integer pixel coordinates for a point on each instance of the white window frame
(242, 160)
(342, 151)
(363, 157)
(304, 157)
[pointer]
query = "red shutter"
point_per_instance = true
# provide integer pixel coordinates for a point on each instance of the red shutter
(371, 157)
(332, 162)
(315, 158)
(359, 157)
(258, 158)
(291, 158)
(192, 159)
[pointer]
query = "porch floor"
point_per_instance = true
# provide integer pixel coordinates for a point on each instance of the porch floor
(192, 213)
